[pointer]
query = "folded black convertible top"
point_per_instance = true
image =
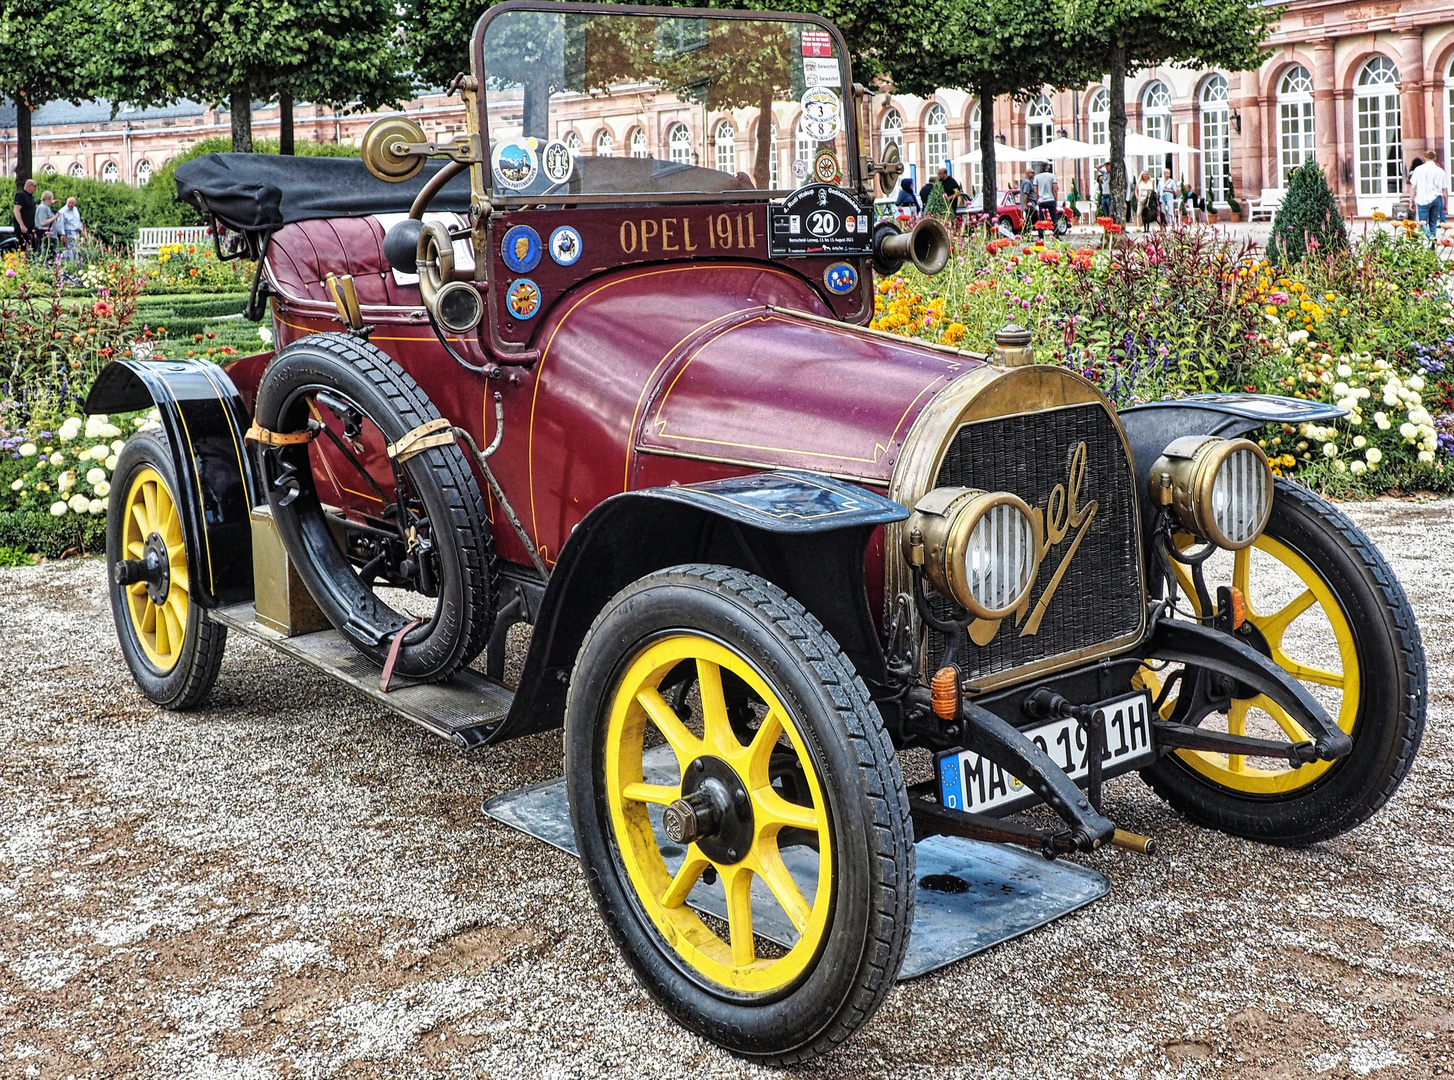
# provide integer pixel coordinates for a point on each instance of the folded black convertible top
(263, 192)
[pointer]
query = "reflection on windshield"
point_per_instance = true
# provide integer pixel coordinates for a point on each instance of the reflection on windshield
(596, 103)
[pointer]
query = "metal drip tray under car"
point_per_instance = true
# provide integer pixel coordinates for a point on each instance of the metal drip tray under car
(971, 895)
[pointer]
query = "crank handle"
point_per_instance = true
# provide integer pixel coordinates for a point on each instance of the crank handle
(499, 428)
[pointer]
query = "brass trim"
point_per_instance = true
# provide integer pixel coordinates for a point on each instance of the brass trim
(992, 393)
(1193, 464)
(945, 519)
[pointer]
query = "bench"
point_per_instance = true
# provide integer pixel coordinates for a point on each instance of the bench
(150, 241)
(1267, 205)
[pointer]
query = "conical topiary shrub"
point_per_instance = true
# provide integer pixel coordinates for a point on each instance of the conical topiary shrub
(936, 205)
(1307, 220)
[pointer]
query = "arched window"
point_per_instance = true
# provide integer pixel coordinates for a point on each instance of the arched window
(1216, 142)
(1100, 126)
(573, 142)
(143, 173)
(1448, 113)
(1156, 110)
(76, 169)
(936, 137)
(605, 144)
(111, 172)
(1041, 124)
(1294, 119)
(976, 168)
(48, 169)
(726, 147)
(803, 148)
(772, 165)
(893, 131)
(679, 144)
(1380, 145)
(638, 143)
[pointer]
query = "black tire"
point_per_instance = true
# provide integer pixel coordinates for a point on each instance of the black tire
(1393, 693)
(182, 677)
(857, 957)
(439, 477)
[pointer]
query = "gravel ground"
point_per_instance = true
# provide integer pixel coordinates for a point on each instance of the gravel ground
(289, 883)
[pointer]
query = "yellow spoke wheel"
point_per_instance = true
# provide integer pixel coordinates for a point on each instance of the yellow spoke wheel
(151, 527)
(638, 708)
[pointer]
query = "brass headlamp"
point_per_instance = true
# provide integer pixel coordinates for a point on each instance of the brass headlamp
(1219, 489)
(978, 548)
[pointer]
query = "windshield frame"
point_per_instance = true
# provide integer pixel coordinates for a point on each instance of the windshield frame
(851, 180)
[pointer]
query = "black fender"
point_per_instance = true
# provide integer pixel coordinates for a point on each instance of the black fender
(806, 533)
(1150, 427)
(204, 420)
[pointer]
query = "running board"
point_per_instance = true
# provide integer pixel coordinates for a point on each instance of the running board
(466, 709)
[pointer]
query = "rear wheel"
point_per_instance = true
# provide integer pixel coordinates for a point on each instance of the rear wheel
(1327, 608)
(722, 754)
(173, 651)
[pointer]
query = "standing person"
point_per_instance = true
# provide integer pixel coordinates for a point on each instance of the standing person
(1429, 185)
(1103, 190)
(24, 214)
(1027, 192)
(1168, 199)
(45, 217)
(907, 201)
(1146, 199)
(67, 228)
(950, 187)
(1047, 191)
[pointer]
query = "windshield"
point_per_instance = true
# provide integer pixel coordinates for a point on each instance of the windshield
(595, 103)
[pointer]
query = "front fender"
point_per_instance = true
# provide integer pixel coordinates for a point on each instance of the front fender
(804, 532)
(204, 420)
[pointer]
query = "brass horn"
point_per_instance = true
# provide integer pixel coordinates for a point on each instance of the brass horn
(926, 245)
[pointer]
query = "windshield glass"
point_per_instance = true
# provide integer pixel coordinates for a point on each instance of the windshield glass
(591, 103)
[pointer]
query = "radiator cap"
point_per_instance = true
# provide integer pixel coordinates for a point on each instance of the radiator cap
(1012, 346)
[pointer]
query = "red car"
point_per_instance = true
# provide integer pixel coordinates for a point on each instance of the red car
(763, 550)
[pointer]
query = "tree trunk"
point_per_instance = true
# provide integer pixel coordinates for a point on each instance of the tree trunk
(1117, 91)
(989, 187)
(285, 123)
(240, 104)
(762, 159)
(24, 161)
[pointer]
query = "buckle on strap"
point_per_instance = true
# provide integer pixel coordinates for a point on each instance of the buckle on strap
(261, 435)
(432, 433)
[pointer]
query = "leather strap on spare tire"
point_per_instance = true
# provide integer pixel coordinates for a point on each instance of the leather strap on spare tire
(417, 533)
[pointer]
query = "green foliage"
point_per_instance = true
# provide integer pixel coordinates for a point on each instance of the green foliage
(111, 212)
(26, 531)
(936, 205)
(1308, 218)
(40, 52)
(14, 556)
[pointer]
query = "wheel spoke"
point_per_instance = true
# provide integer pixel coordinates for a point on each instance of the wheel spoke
(160, 626)
(759, 752)
(686, 745)
(716, 727)
(1242, 575)
(769, 865)
(656, 794)
(174, 629)
(1306, 672)
(135, 548)
(1290, 727)
(138, 513)
(738, 884)
(149, 498)
(1276, 624)
(773, 813)
(1237, 725)
(685, 879)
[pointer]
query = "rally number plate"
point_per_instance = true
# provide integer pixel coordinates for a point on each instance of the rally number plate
(971, 783)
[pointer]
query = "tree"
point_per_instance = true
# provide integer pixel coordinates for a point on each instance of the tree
(1121, 37)
(1308, 218)
(331, 51)
(38, 62)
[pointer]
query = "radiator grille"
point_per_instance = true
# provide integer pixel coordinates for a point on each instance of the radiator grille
(1099, 598)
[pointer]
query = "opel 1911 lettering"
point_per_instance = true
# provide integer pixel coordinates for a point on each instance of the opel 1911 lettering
(627, 396)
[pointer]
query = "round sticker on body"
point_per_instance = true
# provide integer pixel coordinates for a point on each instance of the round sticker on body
(514, 164)
(822, 114)
(520, 249)
(523, 298)
(825, 167)
(800, 170)
(565, 245)
(556, 162)
(841, 278)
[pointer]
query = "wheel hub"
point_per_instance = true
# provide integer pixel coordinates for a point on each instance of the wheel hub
(714, 812)
(153, 568)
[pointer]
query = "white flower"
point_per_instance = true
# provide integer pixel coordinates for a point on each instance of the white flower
(1357, 468)
(140, 421)
(1344, 370)
(1340, 389)
(97, 507)
(155, 414)
(1373, 454)
(79, 503)
(1356, 419)
(102, 488)
(265, 334)
(1426, 456)
(1364, 393)
(100, 452)
(1340, 465)
(58, 509)
(95, 476)
(18, 485)
(1408, 431)
(1418, 416)
(1358, 440)
(1381, 419)
(1416, 383)
(1390, 397)
(110, 463)
(66, 480)
(27, 449)
(1330, 449)
(117, 446)
(58, 458)
(108, 431)
(1327, 376)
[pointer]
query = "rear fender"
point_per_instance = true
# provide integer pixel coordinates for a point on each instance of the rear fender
(1150, 427)
(806, 533)
(204, 419)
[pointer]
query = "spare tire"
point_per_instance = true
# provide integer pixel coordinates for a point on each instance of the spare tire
(423, 528)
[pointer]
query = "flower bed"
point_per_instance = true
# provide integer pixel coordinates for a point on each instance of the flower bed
(1185, 311)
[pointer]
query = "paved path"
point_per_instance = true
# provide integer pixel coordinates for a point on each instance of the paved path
(289, 884)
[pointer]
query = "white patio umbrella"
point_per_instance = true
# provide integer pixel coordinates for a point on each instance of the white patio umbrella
(1003, 154)
(1064, 150)
(1138, 145)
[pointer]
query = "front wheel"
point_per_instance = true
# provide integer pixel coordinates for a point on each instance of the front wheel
(1327, 608)
(721, 753)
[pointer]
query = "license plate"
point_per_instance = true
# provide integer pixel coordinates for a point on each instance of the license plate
(972, 783)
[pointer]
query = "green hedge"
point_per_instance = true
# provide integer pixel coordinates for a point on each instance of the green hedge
(157, 309)
(52, 536)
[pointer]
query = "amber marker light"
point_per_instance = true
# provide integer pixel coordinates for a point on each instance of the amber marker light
(944, 692)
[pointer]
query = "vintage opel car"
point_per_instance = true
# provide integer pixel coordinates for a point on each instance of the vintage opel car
(605, 371)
